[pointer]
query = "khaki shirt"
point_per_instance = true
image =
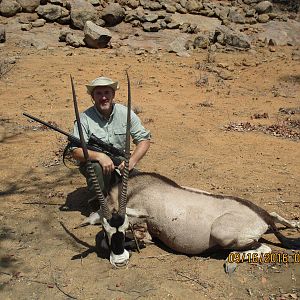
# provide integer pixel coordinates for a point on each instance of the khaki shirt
(112, 131)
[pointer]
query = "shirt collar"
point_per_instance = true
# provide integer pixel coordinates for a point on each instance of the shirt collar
(102, 117)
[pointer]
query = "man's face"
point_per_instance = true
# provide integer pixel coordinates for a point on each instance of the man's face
(103, 97)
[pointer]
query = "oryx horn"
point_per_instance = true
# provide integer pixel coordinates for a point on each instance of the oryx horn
(89, 166)
(123, 196)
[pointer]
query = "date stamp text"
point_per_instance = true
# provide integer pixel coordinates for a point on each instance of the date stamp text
(264, 258)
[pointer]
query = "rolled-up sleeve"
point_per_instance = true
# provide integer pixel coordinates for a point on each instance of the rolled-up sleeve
(138, 131)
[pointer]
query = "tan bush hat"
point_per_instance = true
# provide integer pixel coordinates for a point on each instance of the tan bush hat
(102, 81)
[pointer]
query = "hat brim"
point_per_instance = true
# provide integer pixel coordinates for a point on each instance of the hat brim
(90, 88)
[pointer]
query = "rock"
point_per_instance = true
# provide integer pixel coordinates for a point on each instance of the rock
(26, 27)
(173, 25)
(2, 133)
(264, 18)
(51, 12)
(39, 44)
(81, 11)
(27, 18)
(95, 2)
(133, 3)
(38, 23)
(9, 8)
(150, 18)
(2, 34)
(74, 40)
(264, 7)
(179, 44)
(96, 36)
(281, 33)
(250, 12)
(151, 27)
(193, 6)
(131, 15)
(251, 20)
(113, 14)
(222, 12)
(180, 9)
(201, 41)
(170, 8)
(236, 17)
(154, 5)
(63, 34)
(225, 74)
(226, 36)
(29, 5)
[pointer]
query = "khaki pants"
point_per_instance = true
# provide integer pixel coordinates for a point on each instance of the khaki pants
(105, 181)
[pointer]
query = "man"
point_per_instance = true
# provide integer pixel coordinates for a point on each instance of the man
(107, 121)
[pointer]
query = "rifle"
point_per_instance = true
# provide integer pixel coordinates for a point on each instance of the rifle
(94, 143)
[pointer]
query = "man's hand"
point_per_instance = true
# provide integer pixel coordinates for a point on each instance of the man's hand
(121, 167)
(106, 163)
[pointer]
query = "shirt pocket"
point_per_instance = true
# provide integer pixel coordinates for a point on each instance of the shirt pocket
(120, 137)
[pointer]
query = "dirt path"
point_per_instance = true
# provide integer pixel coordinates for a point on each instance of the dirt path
(186, 104)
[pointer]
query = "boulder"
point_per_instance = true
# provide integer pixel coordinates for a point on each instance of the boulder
(9, 8)
(149, 18)
(38, 23)
(58, 2)
(113, 14)
(180, 9)
(81, 11)
(151, 27)
(179, 44)
(193, 6)
(226, 36)
(201, 41)
(26, 27)
(25, 18)
(63, 34)
(96, 36)
(131, 15)
(2, 34)
(263, 18)
(222, 12)
(51, 12)
(74, 40)
(133, 3)
(170, 8)
(264, 7)
(29, 5)
(236, 17)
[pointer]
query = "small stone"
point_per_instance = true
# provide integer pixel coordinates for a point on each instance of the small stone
(26, 27)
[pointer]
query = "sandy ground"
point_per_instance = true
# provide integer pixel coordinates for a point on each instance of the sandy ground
(186, 105)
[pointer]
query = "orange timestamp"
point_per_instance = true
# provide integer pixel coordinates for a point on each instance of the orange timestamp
(261, 258)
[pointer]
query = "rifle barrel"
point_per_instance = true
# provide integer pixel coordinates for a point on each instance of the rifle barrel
(46, 124)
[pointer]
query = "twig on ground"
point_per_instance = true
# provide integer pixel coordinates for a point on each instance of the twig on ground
(157, 256)
(202, 284)
(42, 203)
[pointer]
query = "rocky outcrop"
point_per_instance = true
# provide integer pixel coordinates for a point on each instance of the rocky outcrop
(224, 23)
